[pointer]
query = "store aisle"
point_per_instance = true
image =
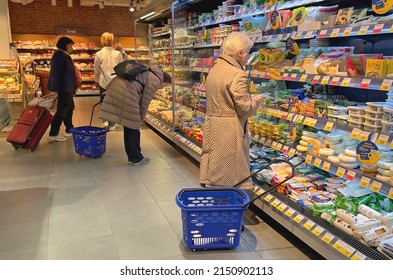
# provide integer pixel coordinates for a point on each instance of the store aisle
(57, 205)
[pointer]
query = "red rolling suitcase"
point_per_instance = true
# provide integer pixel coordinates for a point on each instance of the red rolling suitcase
(30, 128)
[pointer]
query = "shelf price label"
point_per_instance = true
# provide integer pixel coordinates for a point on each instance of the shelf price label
(299, 119)
(317, 230)
(347, 31)
(347, 250)
(293, 77)
(390, 194)
(377, 28)
(303, 78)
(350, 175)
(268, 198)
(358, 256)
(285, 149)
(338, 245)
(322, 34)
(310, 122)
(326, 166)
(364, 182)
(335, 81)
(386, 84)
(355, 133)
(346, 82)
(309, 159)
(335, 32)
(274, 144)
(309, 34)
(340, 172)
(316, 79)
(363, 30)
(365, 83)
(298, 218)
(325, 80)
(382, 140)
(363, 135)
(284, 76)
(279, 37)
(328, 126)
(289, 212)
(309, 224)
(327, 238)
(279, 147)
(273, 73)
(292, 152)
(317, 162)
(376, 186)
(282, 207)
(275, 203)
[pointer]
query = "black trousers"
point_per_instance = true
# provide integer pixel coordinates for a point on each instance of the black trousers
(132, 144)
(64, 112)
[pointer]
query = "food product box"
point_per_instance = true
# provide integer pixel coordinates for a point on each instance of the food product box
(375, 67)
(344, 16)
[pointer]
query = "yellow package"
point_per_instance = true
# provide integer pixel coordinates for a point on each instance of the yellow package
(298, 16)
(389, 67)
(376, 67)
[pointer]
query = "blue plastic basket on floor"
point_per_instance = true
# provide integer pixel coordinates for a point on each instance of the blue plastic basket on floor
(89, 141)
(212, 217)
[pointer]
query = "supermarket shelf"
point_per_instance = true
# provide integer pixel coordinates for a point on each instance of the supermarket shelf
(138, 50)
(265, 10)
(185, 47)
(201, 69)
(383, 84)
(6, 73)
(87, 92)
(359, 30)
(86, 69)
(161, 49)
(36, 48)
(185, 107)
(365, 181)
(185, 144)
(86, 49)
(207, 44)
(82, 58)
(166, 33)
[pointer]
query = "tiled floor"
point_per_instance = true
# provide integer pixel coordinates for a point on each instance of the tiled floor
(57, 205)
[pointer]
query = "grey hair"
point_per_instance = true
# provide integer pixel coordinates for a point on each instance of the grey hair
(236, 41)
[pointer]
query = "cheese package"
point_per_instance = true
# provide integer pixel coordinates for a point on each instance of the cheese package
(366, 225)
(376, 232)
(375, 68)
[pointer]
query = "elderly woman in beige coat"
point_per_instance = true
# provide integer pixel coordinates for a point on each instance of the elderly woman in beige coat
(126, 103)
(225, 152)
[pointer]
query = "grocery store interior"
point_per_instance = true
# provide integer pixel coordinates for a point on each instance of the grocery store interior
(323, 134)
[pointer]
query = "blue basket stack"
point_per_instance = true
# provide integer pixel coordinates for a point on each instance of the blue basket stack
(212, 217)
(89, 141)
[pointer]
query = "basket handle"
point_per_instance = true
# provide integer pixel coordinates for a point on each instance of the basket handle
(92, 112)
(211, 189)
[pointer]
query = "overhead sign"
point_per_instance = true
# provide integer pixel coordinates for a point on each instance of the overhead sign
(75, 31)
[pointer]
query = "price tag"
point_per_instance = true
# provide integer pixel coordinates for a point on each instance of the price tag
(293, 77)
(309, 224)
(322, 34)
(365, 83)
(269, 142)
(309, 159)
(327, 238)
(339, 245)
(263, 139)
(325, 80)
(312, 122)
(315, 80)
(274, 144)
(279, 147)
(382, 140)
(289, 116)
(364, 182)
(347, 31)
(317, 162)
(377, 28)
(284, 76)
(281, 207)
(340, 172)
(326, 166)
(363, 30)
(303, 78)
(289, 212)
(279, 37)
(255, 138)
(347, 250)
(309, 34)
(274, 73)
(292, 152)
(390, 194)
(276, 202)
(335, 32)
(298, 35)
(346, 82)
(386, 84)
(268, 198)
(376, 186)
(363, 135)
(328, 126)
(317, 230)
(335, 81)
(299, 118)
(355, 133)
(285, 149)
(350, 175)
(358, 256)
(298, 218)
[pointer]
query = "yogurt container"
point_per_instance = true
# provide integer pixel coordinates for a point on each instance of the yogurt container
(373, 114)
(337, 110)
(376, 106)
(343, 119)
(356, 118)
(355, 124)
(387, 114)
(371, 121)
(332, 118)
(356, 110)
(387, 127)
(373, 128)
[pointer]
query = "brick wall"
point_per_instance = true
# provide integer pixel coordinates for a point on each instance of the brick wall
(40, 17)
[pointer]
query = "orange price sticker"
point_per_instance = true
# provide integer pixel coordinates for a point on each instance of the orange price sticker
(284, 76)
(355, 133)
(382, 140)
(293, 77)
(335, 81)
(363, 30)
(279, 147)
(347, 31)
(292, 152)
(386, 84)
(377, 28)
(289, 212)
(365, 83)
(376, 186)
(364, 182)
(322, 34)
(298, 218)
(326, 166)
(317, 230)
(268, 198)
(309, 224)
(309, 159)
(325, 80)
(350, 175)
(328, 126)
(316, 79)
(340, 172)
(358, 256)
(299, 118)
(346, 82)
(390, 194)
(303, 78)
(327, 238)
(317, 162)
(335, 32)
(363, 135)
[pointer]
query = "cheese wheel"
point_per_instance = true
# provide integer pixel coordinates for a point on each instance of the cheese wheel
(301, 148)
(350, 152)
(326, 152)
(384, 178)
(333, 137)
(306, 138)
(384, 172)
(303, 143)
(384, 164)
(369, 168)
(310, 134)
(339, 146)
(333, 159)
(346, 159)
(350, 165)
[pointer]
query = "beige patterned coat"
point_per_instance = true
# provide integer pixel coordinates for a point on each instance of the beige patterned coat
(225, 152)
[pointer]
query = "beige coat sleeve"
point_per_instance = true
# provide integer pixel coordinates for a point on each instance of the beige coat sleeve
(241, 97)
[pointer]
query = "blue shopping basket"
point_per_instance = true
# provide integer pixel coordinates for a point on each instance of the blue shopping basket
(212, 217)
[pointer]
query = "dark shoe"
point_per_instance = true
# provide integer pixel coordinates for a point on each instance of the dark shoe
(142, 161)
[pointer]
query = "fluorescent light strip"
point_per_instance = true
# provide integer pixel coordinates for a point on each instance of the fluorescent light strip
(148, 15)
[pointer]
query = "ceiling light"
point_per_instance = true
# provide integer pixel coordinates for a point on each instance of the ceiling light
(69, 3)
(53, 2)
(132, 9)
(101, 5)
(147, 15)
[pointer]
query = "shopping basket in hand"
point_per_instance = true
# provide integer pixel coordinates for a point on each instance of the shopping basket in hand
(89, 141)
(212, 217)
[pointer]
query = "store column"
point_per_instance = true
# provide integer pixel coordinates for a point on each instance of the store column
(5, 30)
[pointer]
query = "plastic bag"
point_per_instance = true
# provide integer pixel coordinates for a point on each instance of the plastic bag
(45, 102)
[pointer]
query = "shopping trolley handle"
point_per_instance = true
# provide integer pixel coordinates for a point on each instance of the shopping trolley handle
(179, 195)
